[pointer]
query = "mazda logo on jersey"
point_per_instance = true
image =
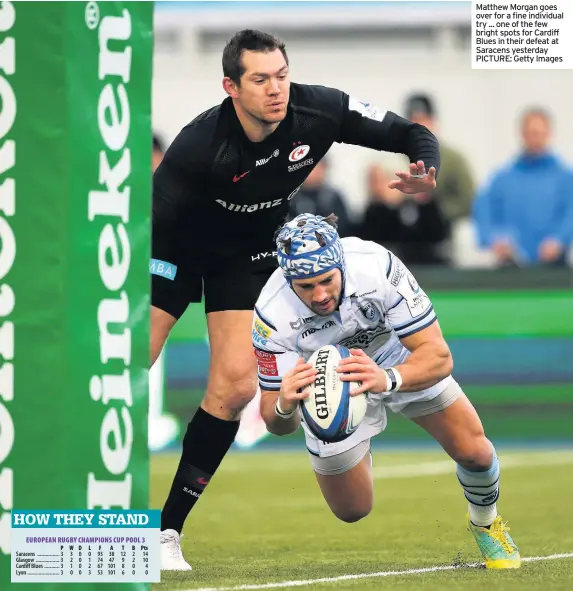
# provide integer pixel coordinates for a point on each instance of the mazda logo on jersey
(299, 153)
(311, 331)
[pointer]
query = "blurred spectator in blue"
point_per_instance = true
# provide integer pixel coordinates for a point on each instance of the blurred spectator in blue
(157, 152)
(317, 196)
(455, 188)
(411, 226)
(525, 213)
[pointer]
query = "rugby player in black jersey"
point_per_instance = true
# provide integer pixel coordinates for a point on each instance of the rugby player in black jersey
(219, 194)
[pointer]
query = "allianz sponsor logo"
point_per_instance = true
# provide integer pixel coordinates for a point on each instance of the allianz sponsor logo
(246, 208)
(263, 161)
(108, 207)
(311, 331)
(7, 258)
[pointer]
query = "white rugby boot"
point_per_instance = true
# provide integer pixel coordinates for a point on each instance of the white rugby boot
(170, 555)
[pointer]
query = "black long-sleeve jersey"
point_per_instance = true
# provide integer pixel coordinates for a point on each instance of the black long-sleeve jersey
(217, 194)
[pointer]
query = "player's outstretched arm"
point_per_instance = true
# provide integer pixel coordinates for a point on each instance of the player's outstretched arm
(365, 125)
(280, 409)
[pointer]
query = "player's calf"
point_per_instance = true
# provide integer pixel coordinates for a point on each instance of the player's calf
(199, 462)
(478, 473)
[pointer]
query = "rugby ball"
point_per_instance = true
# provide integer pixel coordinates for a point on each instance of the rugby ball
(330, 413)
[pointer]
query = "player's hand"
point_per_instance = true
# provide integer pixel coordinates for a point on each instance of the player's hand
(301, 375)
(411, 185)
(360, 368)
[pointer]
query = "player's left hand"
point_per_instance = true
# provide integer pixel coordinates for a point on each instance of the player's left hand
(360, 368)
(415, 180)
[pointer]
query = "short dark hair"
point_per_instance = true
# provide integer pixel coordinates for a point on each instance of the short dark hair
(535, 112)
(420, 103)
(247, 40)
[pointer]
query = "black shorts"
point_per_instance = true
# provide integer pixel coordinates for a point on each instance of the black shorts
(229, 283)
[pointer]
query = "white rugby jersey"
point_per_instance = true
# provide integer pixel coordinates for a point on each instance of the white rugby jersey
(382, 302)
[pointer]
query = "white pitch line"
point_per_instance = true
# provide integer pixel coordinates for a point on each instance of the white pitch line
(448, 466)
(394, 573)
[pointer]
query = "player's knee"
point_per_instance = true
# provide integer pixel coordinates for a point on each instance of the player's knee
(226, 398)
(475, 454)
(243, 392)
(353, 514)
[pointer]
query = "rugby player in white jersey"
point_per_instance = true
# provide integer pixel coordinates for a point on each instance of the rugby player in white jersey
(358, 294)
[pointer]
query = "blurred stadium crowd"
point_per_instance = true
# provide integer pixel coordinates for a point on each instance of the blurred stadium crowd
(522, 215)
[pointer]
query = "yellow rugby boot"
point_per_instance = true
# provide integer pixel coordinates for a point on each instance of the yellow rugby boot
(496, 545)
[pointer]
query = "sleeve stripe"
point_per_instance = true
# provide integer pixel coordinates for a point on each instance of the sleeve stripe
(423, 320)
(267, 351)
(264, 319)
(383, 356)
(401, 327)
(263, 378)
(389, 265)
(409, 334)
(269, 389)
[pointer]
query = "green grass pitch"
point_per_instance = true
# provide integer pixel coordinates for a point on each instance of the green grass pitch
(263, 522)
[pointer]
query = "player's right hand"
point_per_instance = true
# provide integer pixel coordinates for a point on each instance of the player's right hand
(294, 380)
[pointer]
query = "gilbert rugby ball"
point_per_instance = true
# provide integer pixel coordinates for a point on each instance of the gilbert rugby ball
(329, 412)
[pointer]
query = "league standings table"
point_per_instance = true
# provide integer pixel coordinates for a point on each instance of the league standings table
(85, 546)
